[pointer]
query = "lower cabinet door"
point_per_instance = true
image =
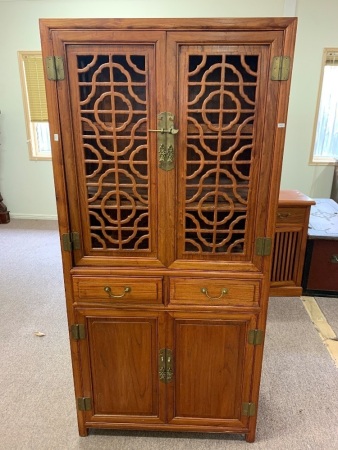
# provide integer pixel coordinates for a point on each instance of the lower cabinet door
(165, 369)
(213, 369)
(119, 366)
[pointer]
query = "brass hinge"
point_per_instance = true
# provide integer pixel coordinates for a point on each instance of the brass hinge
(78, 331)
(55, 68)
(165, 365)
(263, 246)
(248, 409)
(71, 241)
(84, 404)
(280, 68)
(255, 337)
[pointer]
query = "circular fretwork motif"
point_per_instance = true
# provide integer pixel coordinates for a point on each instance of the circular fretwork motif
(210, 202)
(223, 105)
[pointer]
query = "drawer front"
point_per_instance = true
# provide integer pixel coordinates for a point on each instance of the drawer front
(112, 290)
(214, 291)
(291, 215)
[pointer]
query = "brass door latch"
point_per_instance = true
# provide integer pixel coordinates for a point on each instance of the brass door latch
(166, 140)
(165, 365)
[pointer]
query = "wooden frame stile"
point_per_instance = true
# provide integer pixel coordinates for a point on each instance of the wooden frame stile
(161, 303)
(282, 110)
(164, 181)
(62, 210)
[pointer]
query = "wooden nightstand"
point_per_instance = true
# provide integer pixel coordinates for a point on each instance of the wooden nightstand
(290, 243)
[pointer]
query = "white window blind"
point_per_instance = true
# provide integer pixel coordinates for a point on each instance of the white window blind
(35, 84)
(35, 104)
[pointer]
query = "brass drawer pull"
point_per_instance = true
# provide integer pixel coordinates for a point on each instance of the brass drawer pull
(283, 215)
(223, 292)
(111, 295)
(334, 259)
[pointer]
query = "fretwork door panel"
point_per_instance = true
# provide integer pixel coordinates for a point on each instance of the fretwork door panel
(223, 90)
(113, 104)
(124, 203)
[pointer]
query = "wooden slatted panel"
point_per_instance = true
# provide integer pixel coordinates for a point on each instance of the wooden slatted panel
(285, 256)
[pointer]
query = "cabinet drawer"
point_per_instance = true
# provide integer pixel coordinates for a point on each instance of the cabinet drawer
(213, 291)
(118, 290)
(291, 215)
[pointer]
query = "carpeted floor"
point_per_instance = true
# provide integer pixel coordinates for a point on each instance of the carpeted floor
(299, 391)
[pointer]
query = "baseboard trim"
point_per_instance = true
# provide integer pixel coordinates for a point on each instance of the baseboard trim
(33, 216)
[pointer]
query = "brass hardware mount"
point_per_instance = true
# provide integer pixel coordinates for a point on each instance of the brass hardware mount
(84, 404)
(280, 68)
(165, 140)
(165, 365)
(255, 337)
(111, 295)
(71, 241)
(248, 409)
(78, 331)
(55, 68)
(205, 292)
(263, 246)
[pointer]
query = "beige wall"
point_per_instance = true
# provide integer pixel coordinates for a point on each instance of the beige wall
(317, 28)
(27, 186)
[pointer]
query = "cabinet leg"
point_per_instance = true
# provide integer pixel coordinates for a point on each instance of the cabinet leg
(250, 437)
(83, 431)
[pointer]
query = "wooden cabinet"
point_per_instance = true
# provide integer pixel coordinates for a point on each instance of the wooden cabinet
(290, 243)
(321, 260)
(162, 132)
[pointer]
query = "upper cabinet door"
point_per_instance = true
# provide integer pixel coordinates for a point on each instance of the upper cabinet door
(170, 142)
(109, 100)
(226, 106)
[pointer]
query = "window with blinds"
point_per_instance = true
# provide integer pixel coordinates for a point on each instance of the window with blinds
(35, 105)
(325, 141)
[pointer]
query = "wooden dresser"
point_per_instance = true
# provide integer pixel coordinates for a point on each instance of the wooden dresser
(163, 131)
(290, 243)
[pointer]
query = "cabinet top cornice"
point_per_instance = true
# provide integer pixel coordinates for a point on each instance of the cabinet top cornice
(264, 23)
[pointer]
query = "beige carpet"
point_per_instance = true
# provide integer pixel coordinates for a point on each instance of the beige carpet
(299, 392)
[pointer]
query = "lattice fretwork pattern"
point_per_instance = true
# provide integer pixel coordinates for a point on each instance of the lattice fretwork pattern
(221, 108)
(114, 115)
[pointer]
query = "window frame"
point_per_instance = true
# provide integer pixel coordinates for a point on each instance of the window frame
(34, 153)
(321, 160)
